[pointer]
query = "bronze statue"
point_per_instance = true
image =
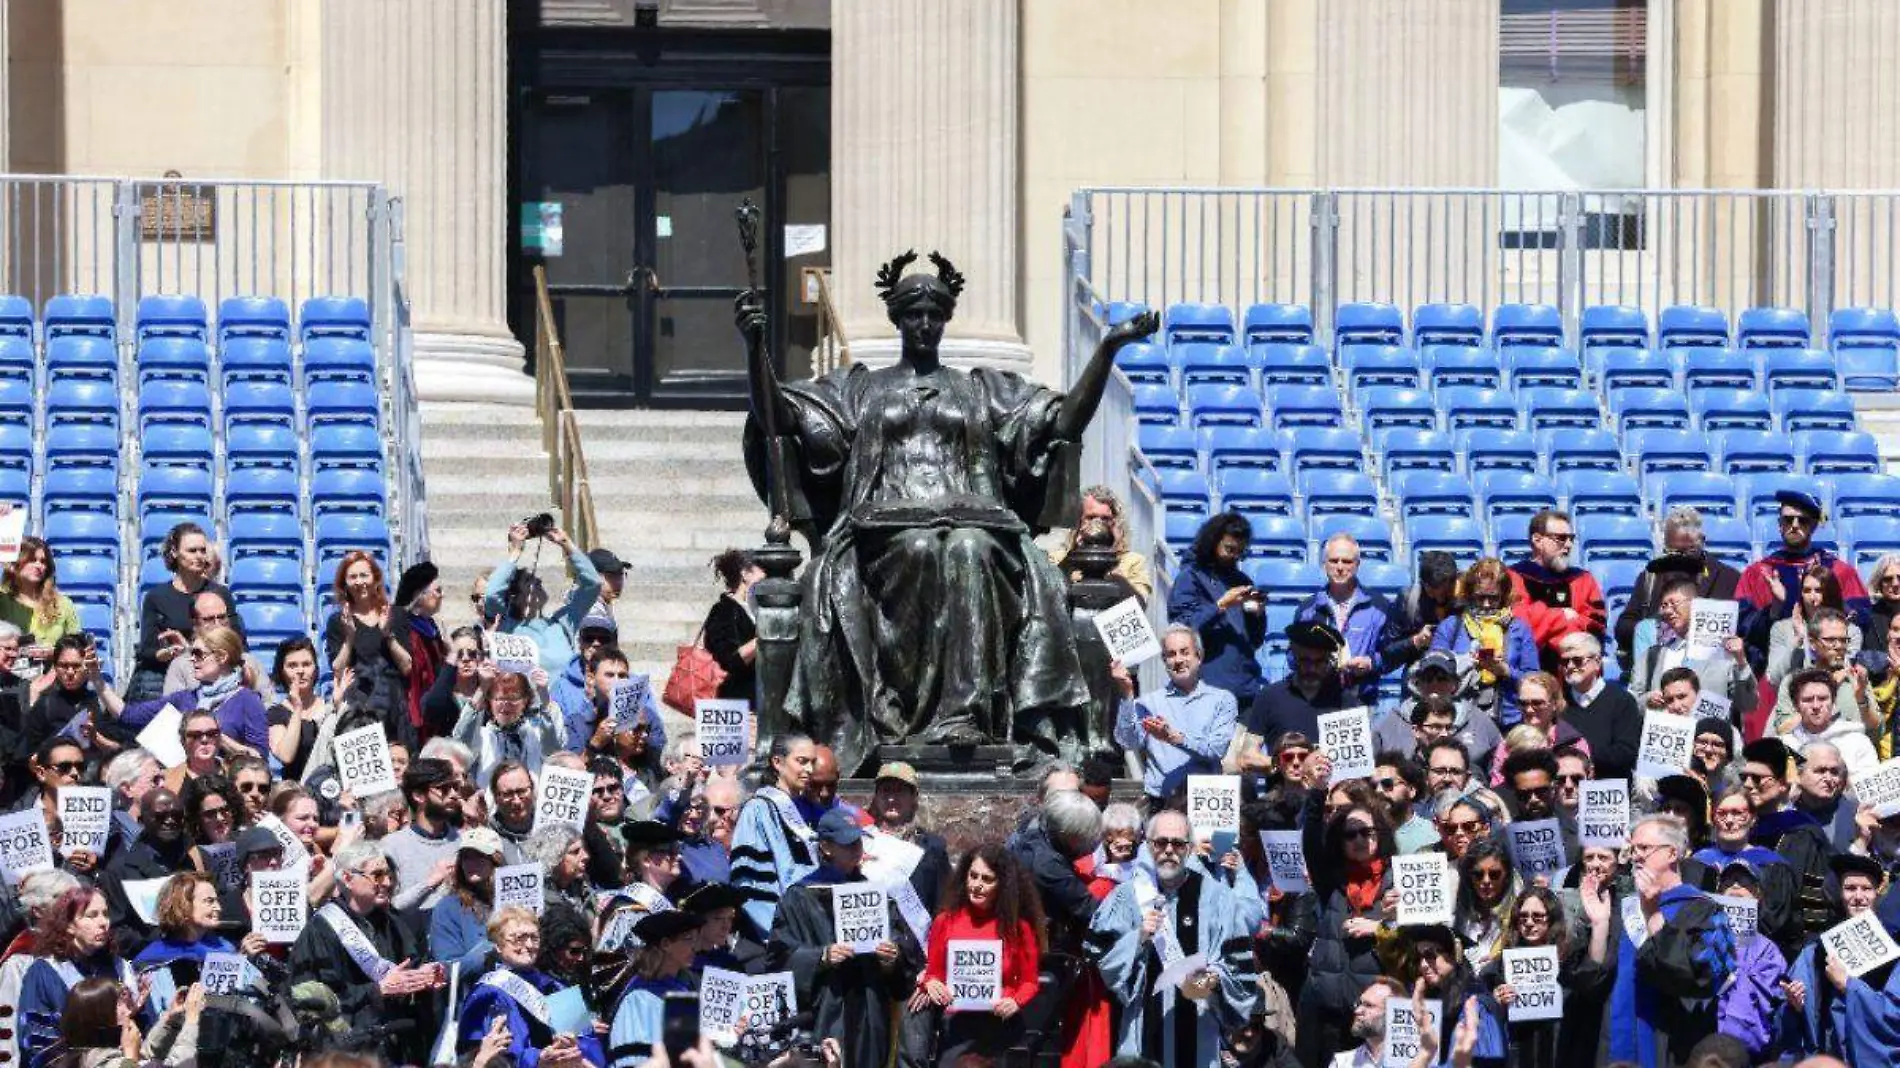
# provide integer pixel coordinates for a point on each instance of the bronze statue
(929, 616)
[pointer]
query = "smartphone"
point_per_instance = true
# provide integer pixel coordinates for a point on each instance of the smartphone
(680, 1025)
(349, 818)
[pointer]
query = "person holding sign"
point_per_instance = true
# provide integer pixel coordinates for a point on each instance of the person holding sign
(1767, 583)
(73, 942)
(1176, 954)
(1295, 703)
(1732, 823)
(514, 996)
(458, 923)
(1819, 1017)
(1749, 1004)
(514, 725)
(1581, 979)
(991, 904)
(1446, 977)
(218, 671)
(518, 600)
(1727, 675)
(1663, 1000)
(850, 994)
(189, 912)
(1181, 729)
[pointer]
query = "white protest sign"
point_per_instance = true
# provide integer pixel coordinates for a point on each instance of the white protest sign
(1423, 881)
(279, 905)
(362, 761)
(519, 885)
(861, 916)
(85, 819)
(24, 844)
(143, 895)
(1860, 944)
(515, 653)
(1744, 914)
(910, 909)
(160, 737)
(1603, 813)
(1666, 743)
(976, 974)
(226, 973)
(723, 729)
(1401, 1030)
(1711, 623)
(221, 860)
(1346, 736)
(721, 1003)
(295, 854)
(1537, 848)
(889, 859)
(770, 998)
(1286, 861)
(627, 702)
(1214, 810)
(12, 532)
(1125, 630)
(1711, 705)
(1878, 788)
(561, 800)
(1532, 977)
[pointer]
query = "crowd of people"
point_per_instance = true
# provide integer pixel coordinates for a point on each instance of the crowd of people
(1104, 926)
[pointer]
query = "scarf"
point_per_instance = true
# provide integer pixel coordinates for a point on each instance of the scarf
(219, 690)
(1362, 884)
(1487, 631)
(425, 626)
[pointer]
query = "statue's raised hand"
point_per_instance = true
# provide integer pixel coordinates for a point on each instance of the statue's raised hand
(1132, 330)
(749, 316)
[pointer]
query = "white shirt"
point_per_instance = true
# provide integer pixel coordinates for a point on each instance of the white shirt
(1858, 754)
(1363, 1057)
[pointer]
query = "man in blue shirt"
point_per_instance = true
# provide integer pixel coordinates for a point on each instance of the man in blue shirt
(1183, 728)
(1363, 618)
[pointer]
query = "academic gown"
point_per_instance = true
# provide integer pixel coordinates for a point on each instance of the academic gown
(43, 998)
(1778, 916)
(639, 1025)
(529, 1034)
(1747, 1005)
(1819, 1027)
(1663, 1000)
(1203, 916)
(318, 955)
(156, 960)
(1803, 843)
(768, 858)
(854, 1002)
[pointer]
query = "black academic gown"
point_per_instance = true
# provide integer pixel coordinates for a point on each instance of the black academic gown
(318, 956)
(1803, 843)
(851, 1002)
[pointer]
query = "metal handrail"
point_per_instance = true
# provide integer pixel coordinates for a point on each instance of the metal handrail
(560, 425)
(832, 351)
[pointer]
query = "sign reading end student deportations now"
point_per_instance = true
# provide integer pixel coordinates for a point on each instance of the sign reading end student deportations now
(1346, 736)
(1860, 944)
(1532, 977)
(1603, 813)
(1665, 746)
(519, 885)
(85, 819)
(976, 974)
(861, 916)
(1401, 1030)
(722, 727)
(1125, 630)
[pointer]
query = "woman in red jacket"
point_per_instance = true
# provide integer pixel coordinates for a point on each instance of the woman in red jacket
(990, 900)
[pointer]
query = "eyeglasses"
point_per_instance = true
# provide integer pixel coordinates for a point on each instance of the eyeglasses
(1641, 850)
(522, 938)
(1294, 756)
(510, 795)
(1837, 639)
(201, 736)
(1577, 660)
(1539, 703)
(380, 875)
(1533, 917)
(1789, 520)
(1442, 771)
(1169, 845)
(215, 813)
(1674, 604)
(1354, 834)
(1566, 538)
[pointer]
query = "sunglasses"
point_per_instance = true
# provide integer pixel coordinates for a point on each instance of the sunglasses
(1575, 661)
(608, 791)
(1569, 780)
(1294, 756)
(1353, 834)
(201, 736)
(67, 767)
(198, 652)
(1794, 521)
(1386, 783)
(1171, 844)
(1464, 827)
(214, 814)
(253, 787)
(1564, 538)
(1486, 875)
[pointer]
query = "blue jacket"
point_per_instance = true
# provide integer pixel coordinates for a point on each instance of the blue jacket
(1230, 639)
(1520, 659)
(486, 1002)
(241, 717)
(1369, 627)
(579, 713)
(555, 631)
(456, 934)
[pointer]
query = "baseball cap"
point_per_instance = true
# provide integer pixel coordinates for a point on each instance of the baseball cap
(838, 828)
(899, 771)
(1437, 660)
(257, 840)
(606, 562)
(481, 840)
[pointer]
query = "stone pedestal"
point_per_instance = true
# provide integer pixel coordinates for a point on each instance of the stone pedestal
(777, 598)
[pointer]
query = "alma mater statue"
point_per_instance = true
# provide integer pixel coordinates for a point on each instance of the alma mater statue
(929, 615)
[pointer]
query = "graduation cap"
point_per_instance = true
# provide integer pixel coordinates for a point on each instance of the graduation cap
(710, 898)
(657, 927)
(1772, 753)
(1846, 864)
(1316, 634)
(649, 834)
(1686, 789)
(1801, 502)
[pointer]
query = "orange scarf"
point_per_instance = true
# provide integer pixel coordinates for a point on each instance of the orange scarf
(1363, 883)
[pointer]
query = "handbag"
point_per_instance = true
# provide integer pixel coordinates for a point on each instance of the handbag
(696, 675)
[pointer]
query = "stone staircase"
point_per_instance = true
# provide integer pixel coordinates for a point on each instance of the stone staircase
(1879, 415)
(485, 469)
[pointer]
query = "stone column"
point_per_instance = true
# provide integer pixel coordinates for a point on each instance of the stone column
(924, 155)
(414, 95)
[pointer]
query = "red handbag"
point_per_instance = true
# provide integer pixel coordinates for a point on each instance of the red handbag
(696, 675)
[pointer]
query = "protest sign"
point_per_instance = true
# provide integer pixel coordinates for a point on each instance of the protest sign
(516, 653)
(1711, 624)
(1603, 813)
(769, 999)
(24, 844)
(519, 885)
(562, 799)
(160, 737)
(1666, 743)
(861, 916)
(85, 819)
(888, 858)
(226, 973)
(1179, 969)
(12, 532)
(1860, 944)
(975, 974)
(627, 702)
(1878, 788)
(1423, 881)
(280, 906)
(363, 764)
(723, 728)
(1127, 633)
(1286, 860)
(221, 860)
(1744, 914)
(1537, 848)
(1346, 736)
(142, 894)
(294, 852)
(721, 1003)
(1401, 1030)
(1712, 705)
(1214, 810)
(1532, 977)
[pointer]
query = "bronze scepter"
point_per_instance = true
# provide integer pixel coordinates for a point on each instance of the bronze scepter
(778, 530)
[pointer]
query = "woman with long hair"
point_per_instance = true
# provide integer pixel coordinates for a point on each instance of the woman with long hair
(563, 859)
(214, 812)
(1348, 856)
(189, 911)
(73, 942)
(1788, 650)
(1584, 971)
(1440, 971)
(990, 899)
(1215, 597)
(1884, 584)
(662, 965)
(165, 619)
(732, 637)
(297, 810)
(363, 635)
(30, 600)
(100, 1029)
(217, 665)
(1494, 647)
(512, 998)
(1487, 891)
(463, 689)
(458, 923)
(303, 721)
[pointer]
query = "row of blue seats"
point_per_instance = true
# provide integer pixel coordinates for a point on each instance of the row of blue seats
(170, 315)
(165, 359)
(192, 403)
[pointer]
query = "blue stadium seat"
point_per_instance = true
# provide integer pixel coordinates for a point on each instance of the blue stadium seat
(1485, 449)
(1255, 491)
(177, 445)
(16, 446)
(1203, 364)
(1613, 324)
(16, 317)
(1296, 406)
(82, 534)
(262, 575)
(1433, 493)
(153, 572)
(1834, 452)
(86, 357)
(1239, 446)
(1184, 491)
(1447, 324)
(261, 489)
(1187, 322)
(1866, 342)
(17, 360)
(1286, 581)
(1866, 494)
(1292, 365)
(82, 400)
(265, 533)
(252, 317)
(1310, 447)
(1163, 446)
(1572, 449)
(1291, 323)
(267, 360)
(1588, 492)
(1410, 449)
(16, 487)
(339, 534)
(333, 317)
(1755, 493)
(1657, 449)
(1375, 540)
(1146, 364)
(1796, 369)
(168, 401)
(1509, 493)
(182, 358)
(90, 444)
(1367, 323)
(80, 574)
(1542, 367)
(1526, 324)
(1179, 529)
(1388, 579)
(1634, 369)
(1384, 408)
(78, 489)
(269, 623)
(1740, 452)
(75, 314)
(260, 404)
(1705, 491)
(174, 487)
(1278, 537)
(1465, 407)
(1799, 410)
(16, 403)
(1871, 537)
(1728, 539)
(250, 445)
(1373, 366)
(1155, 405)
(1615, 537)
(1712, 368)
(1618, 579)
(1206, 406)
(1690, 326)
(1730, 409)
(1772, 328)
(1455, 534)
(1329, 491)
(1546, 408)
(1637, 409)
(1456, 365)
(345, 446)
(171, 315)
(345, 402)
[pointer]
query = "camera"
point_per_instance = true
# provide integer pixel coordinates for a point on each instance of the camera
(539, 525)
